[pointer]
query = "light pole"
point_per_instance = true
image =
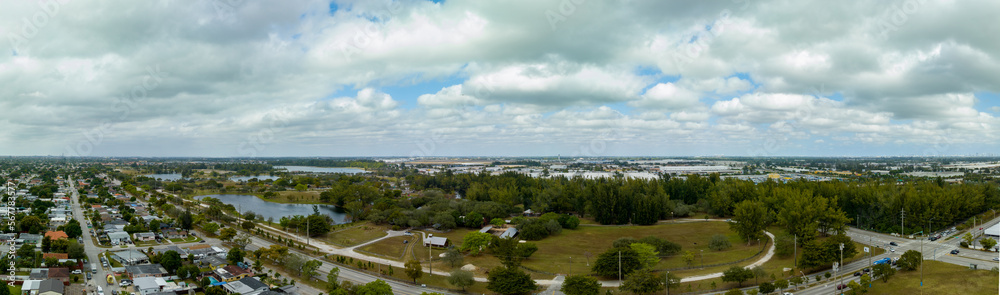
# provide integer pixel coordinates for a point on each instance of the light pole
(702, 259)
(841, 264)
(666, 280)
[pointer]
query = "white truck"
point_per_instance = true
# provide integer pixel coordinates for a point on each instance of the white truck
(93, 268)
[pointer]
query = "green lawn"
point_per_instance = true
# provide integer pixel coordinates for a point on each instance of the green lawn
(16, 289)
(392, 248)
(939, 278)
(187, 240)
(355, 235)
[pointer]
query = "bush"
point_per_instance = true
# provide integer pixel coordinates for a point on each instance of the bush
(534, 231)
(666, 248)
(624, 242)
(719, 243)
(964, 244)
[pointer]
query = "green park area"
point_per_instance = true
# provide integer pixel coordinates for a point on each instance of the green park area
(391, 248)
(939, 278)
(355, 235)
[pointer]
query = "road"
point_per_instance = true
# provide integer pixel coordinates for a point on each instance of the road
(92, 250)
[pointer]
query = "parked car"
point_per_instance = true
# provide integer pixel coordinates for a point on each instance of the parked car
(76, 272)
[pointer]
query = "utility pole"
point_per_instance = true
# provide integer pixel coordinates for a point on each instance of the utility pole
(902, 217)
(307, 231)
(430, 264)
(795, 246)
(921, 262)
(667, 281)
(841, 263)
(619, 267)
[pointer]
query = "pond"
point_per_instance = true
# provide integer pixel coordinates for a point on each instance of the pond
(311, 169)
(267, 209)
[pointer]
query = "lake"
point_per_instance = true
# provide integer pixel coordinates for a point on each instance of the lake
(277, 210)
(248, 178)
(171, 176)
(311, 169)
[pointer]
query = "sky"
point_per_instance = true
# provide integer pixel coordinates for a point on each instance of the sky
(234, 78)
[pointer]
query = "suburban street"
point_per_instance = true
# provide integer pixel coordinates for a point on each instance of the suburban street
(92, 250)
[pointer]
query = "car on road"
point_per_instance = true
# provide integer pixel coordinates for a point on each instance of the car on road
(841, 287)
(892, 249)
(933, 239)
(857, 274)
(788, 293)
(867, 270)
(893, 244)
(954, 252)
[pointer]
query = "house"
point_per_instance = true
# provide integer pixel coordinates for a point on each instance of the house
(175, 234)
(509, 233)
(130, 257)
(145, 237)
(57, 221)
(118, 237)
(30, 287)
(160, 251)
(212, 262)
(245, 286)
(56, 273)
(432, 241)
(7, 237)
(55, 235)
(51, 287)
(146, 285)
(232, 273)
(145, 270)
(27, 238)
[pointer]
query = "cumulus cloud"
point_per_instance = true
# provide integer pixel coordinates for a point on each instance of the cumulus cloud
(206, 78)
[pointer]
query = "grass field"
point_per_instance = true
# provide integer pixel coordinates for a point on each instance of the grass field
(355, 235)
(939, 278)
(392, 248)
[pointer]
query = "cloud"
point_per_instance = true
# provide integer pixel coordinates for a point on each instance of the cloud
(640, 78)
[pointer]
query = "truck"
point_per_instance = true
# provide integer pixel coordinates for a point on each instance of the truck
(93, 268)
(881, 261)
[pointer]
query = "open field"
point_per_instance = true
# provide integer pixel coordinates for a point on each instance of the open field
(355, 235)
(939, 278)
(392, 248)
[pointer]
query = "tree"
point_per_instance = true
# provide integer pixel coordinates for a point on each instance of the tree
(988, 243)
(581, 285)
(497, 222)
(765, 288)
(608, 262)
(248, 225)
(646, 254)
(4, 290)
(310, 268)
(734, 291)
(227, 234)
(883, 271)
(453, 257)
(235, 255)
(642, 282)
(332, 283)
(750, 218)
(474, 242)
(185, 220)
(758, 272)
(526, 249)
(910, 260)
(719, 242)
(505, 280)
(301, 187)
(688, 258)
(796, 281)
(188, 271)
(737, 274)
(73, 229)
(171, 261)
(781, 284)
(461, 278)
(216, 290)
(414, 270)
(75, 251)
(46, 244)
(376, 287)
(210, 227)
(968, 238)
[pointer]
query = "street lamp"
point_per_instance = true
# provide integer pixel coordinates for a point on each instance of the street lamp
(703, 259)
